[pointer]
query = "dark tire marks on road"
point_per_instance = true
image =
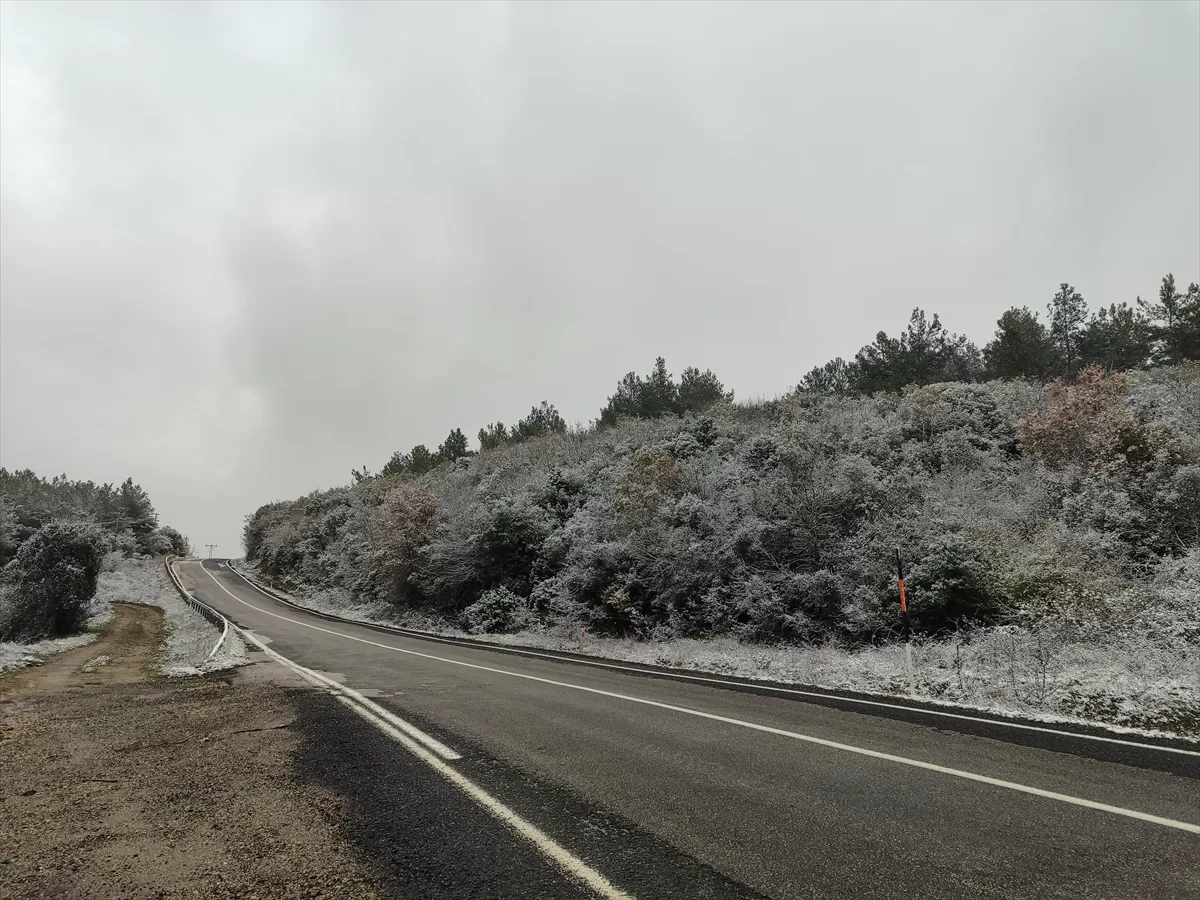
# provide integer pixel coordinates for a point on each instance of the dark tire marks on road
(422, 837)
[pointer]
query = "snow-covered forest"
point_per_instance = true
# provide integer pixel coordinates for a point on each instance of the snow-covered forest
(54, 537)
(1070, 504)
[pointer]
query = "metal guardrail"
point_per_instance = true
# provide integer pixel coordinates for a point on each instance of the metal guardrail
(217, 620)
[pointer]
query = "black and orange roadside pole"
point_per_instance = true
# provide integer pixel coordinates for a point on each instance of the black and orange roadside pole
(906, 625)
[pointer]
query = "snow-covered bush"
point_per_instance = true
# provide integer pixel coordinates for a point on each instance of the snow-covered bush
(776, 521)
(497, 611)
(48, 585)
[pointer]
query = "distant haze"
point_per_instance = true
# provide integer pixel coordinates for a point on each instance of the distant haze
(246, 247)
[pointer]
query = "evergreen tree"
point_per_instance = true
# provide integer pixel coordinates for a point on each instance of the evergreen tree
(1068, 317)
(180, 545)
(625, 402)
(493, 435)
(542, 420)
(397, 465)
(833, 378)
(1175, 322)
(135, 509)
(1116, 339)
(700, 390)
(659, 394)
(1021, 347)
(454, 447)
(420, 460)
(924, 354)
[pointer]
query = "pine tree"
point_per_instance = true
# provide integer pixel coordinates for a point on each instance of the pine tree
(1116, 339)
(1068, 316)
(699, 390)
(926, 353)
(454, 447)
(1021, 347)
(420, 460)
(493, 435)
(659, 394)
(833, 378)
(398, 465)
(136, 510)
(625, 402)
(542, 420)
(1175, 322)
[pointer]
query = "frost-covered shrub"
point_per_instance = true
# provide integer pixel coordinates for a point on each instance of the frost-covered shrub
(777, 520)
(509, 541)
(407, 522)
(155, 544)
(1170, 609)
(950, 586)
(50, 582)
(498, 611)
(176, 543)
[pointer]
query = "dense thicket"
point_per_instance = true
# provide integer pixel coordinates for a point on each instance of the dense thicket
(53, 534)
(680, 512)
(777, 520)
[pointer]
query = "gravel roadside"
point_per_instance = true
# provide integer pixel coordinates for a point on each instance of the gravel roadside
(117, 783)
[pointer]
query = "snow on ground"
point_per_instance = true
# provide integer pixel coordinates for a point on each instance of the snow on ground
(190, 636)
(1006, 670)
(14, 655)
(1129, 682)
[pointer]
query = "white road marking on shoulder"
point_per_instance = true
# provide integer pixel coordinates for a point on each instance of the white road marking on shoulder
(403, 733)
(849, 748)
(372, 710)
(799, 692)
(565, 859)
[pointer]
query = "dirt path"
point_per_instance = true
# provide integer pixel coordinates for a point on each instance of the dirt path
(118, 783)
(124, 653)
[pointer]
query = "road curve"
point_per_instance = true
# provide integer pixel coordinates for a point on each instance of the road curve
(678, 789)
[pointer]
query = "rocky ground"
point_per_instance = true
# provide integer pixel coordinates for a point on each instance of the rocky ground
(120, 783)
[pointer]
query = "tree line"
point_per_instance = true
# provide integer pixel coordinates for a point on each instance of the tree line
(1120, 337)
(54, 534)
(1050, 478)
(636, 397)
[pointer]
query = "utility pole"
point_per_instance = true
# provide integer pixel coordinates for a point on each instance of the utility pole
(212, 547)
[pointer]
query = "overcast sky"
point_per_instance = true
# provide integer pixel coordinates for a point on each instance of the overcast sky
(246, 247)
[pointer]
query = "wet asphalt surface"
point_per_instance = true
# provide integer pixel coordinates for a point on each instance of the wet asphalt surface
(674, 805)
(422, 837)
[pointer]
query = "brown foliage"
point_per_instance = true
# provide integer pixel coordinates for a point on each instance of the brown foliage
(409, 521)
(1087, 423)
(652, 477)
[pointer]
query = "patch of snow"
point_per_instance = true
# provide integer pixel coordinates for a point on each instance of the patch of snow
(93, 664)
(190, 637)
(14, 655)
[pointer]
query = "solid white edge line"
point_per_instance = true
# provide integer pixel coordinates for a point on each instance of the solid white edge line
(359, 701)
(849, 748)
(706, 679)
(565, 859)
(572, 865)
(362, 700)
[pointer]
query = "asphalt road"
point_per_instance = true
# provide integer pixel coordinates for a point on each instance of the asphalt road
(677, 789)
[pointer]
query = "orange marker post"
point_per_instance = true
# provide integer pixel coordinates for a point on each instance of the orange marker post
(907, 625)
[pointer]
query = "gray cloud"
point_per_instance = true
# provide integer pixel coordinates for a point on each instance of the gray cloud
(248, 246)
